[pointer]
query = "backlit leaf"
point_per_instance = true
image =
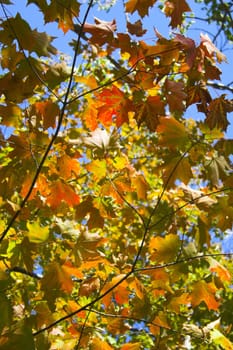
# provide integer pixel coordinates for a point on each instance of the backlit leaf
(36, 232)
(68, 167)
(60, 191)
(172, 132)
(164, 249)
(98, 168)
(210, 48)
(221, 271)
(56, 277)
(219, 339)
(203, 291)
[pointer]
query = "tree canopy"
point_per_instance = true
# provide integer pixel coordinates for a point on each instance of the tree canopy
(115, 178)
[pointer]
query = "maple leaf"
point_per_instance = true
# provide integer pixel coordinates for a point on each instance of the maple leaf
(11, 57)
(210, 49)
(176, 302)
(219, 339)
(175, 95)
(48, 111)
(136, 28)
(202, 291)
(164, 249)
(43, 314)
(217, 111)
(60, 191)
(131, 346)
(10, 115)
(114, 105)
(142, 6)
(172, 133)
(175, 9)
(99, 344)
(67, 167)
(190, 48)
(121, 293)
(57, 277)
(197, 197)
(221, 271)
(98, 168)
(87, 207)
(63, 12)
(149, 111)
(90, 113)
(102, 31)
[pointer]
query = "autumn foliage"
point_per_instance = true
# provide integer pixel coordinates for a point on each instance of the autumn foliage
(114, 195)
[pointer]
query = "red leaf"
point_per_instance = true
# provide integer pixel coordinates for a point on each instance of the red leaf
(115, 105)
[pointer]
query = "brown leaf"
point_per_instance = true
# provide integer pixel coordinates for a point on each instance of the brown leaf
(136, 28)
(102, 31)
(175, 95)
(149, 111)
(217, 113)
(202, 201)
(175, 10)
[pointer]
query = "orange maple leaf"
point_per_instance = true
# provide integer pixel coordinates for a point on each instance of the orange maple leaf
(60, 191)
(114, 105)
(203, 291)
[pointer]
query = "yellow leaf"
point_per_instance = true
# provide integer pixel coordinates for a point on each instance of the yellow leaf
(90, 81)
(37, 233)
(164, 249)
(219, 339)
(98, 168)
